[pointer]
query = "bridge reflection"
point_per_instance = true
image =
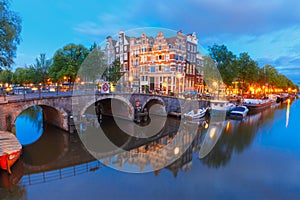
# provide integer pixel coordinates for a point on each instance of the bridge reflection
(154, 154)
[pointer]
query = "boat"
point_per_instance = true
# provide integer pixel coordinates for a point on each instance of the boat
(10, 150)
(176, 114)
(239, 112)
(221, 106)
(196, 113)
(257, 104)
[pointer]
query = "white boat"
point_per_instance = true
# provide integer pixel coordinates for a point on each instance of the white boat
(220, 106)
(239, 112)
(196, 113)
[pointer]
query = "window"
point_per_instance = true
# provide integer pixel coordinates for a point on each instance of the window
(179, 47)
(117, 49)
(143, 41)
(167, 57)
(159, 40)
(159, 57)
(176, 57)
(136, 62)
(159, 47)
(170, 46)
(167, 68)
(159, 68)
(125, 48)
(153, 58)
(152, 69)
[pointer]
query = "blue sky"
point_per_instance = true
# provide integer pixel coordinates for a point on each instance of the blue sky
(268, 30)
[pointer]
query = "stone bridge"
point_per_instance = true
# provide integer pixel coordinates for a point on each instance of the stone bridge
(57, 109)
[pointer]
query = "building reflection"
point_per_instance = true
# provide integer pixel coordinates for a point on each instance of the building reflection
(172, 149)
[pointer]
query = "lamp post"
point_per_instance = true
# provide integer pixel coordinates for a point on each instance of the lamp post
(130, 82)
(179, 76)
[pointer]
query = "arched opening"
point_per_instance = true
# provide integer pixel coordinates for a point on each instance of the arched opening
(42, 142)
(158, 105)
(108, 109)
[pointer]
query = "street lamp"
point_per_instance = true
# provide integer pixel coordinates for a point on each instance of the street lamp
(130, 82)
(179, 76)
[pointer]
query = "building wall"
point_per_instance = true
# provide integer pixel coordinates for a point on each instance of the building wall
(158, 63)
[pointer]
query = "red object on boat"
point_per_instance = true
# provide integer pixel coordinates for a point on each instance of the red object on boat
(10, 150)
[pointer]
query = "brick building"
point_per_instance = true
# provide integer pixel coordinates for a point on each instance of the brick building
(162, 64)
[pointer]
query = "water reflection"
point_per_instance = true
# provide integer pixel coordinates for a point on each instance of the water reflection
(288, 112)
(29, 125)
(214, 145)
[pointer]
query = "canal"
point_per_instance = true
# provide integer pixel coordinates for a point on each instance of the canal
(257, 157)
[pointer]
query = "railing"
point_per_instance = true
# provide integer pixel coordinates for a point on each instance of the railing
(44, 177)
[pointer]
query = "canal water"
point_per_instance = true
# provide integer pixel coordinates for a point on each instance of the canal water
(256, 158)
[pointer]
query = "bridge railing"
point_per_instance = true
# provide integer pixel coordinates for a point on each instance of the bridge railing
(44, 177)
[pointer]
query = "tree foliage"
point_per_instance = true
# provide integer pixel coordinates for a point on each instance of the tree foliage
(93, 66)
(224, 60)
(245, 70)
(6, 76)
(41, 67)
(113, 73)
(10, 29)
(66, 62)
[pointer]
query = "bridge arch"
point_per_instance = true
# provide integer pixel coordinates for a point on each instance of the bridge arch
(110, 98)
(51, 115)
(157, 101)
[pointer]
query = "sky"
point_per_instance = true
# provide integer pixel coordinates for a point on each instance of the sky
(267, 30)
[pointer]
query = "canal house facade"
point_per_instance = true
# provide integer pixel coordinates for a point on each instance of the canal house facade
(160, 64)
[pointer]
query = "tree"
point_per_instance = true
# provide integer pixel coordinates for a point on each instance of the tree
(10, 29)
(113, 73)
(19, 75)
(66, 62)
(211, 74)
(6, 76)
(42, 66)
(224, 60)
(93, 66)
(247, 71)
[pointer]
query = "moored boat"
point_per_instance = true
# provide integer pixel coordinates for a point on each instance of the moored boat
(257, 104)
(196, 113)
(10, 150)
(221, 106)
(239, 112)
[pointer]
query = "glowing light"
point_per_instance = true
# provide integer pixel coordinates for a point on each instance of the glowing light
(206, 125)
(179, 75)
(228, 126)
(130, 78)
(212, 133)
(288, 113)
(176, 150)
(215, 84)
